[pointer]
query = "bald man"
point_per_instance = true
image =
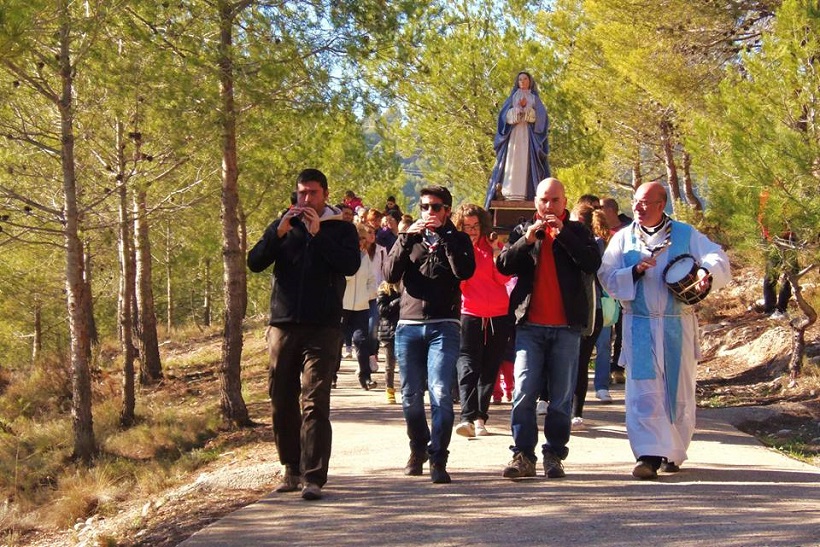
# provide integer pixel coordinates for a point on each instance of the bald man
(660, 348)
(549, 254)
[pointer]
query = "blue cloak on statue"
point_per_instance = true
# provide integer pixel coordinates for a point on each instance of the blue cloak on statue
(538, 147)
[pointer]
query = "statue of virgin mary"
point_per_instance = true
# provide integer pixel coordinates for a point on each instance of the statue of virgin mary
(520, 144)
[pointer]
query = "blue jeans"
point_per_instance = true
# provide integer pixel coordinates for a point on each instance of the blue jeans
(542, 354)
(603, 348)
(427, 355)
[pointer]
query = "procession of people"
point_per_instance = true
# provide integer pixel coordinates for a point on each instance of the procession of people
(447, 303)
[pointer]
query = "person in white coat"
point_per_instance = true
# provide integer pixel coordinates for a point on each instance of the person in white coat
(660, 332)
(360, 290)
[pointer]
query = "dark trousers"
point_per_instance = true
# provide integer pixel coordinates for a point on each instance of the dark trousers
(617, 342)
(482, 347)
(302, 362)
(776, 268)
(390, 362)
(770, 288)
(584, 354)
(357, 324)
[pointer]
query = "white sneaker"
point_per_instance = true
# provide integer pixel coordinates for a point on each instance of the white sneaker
(541, 408)
(603, 396)
(374, 364)
(779, 316)
(465, 429)
(480, 428)
(578, 423)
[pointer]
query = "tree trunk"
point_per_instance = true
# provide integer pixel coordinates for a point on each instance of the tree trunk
(89, 302)
(232, 405)
(799, 324)
(669, 161)
(243, 244)
(126, 289)
(136, 334)
(37, 341)
(169, 293)
(688, 189)
(81, 417)
(206, 305)
(151, 369)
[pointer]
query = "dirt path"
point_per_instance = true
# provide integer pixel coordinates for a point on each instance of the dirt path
(732, 491)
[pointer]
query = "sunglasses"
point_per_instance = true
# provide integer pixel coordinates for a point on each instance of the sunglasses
(436, 207)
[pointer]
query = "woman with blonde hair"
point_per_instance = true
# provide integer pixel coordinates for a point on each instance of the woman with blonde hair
(597, 225)
(360, 290)
(603, 344)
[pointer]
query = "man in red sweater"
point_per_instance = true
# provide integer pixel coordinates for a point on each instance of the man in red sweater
(548, 254)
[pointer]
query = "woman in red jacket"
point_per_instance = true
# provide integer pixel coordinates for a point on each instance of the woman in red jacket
(485, 323)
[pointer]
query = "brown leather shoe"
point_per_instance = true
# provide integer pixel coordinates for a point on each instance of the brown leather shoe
(644, 471)
(415, 463)
(289, 483)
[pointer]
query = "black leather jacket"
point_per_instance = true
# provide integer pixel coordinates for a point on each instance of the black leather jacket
(432, 274)
(308, 271)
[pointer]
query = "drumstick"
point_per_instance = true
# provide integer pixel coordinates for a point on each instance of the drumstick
(692, 286)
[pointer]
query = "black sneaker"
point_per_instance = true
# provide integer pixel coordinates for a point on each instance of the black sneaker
(553, 468)
(519, 467)
(439, 474)
(670, 467)
(415, 463)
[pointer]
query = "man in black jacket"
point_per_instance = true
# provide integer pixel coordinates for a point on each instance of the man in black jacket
(431, 258)
(549, 255)
(312, 250)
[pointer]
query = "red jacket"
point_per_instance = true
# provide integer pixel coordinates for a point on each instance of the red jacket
(485, 294)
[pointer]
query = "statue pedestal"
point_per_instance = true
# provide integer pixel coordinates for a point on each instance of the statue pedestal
(507, 214)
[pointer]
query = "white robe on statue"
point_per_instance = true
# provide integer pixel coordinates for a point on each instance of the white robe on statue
(515, 181)
(657, 425)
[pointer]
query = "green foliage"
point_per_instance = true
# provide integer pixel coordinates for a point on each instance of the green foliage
(31, 278)
(760, 141)
(447, 76)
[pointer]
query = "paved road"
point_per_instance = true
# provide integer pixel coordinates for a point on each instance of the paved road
(731, 492)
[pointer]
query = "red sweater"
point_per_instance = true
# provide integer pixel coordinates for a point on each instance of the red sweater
(546, 305)
(485, 293)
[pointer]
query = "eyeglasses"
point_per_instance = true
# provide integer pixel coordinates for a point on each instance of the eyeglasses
(470, 227)
(643, 204)
(436, 207)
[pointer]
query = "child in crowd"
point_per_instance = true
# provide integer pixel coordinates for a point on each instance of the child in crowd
(388, 298)
(505, 381)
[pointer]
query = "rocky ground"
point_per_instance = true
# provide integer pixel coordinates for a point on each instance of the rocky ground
(743, 371)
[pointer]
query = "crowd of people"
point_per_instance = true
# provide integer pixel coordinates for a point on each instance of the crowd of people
(467, 319)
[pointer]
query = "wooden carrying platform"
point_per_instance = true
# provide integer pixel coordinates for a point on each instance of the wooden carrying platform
(508, 214)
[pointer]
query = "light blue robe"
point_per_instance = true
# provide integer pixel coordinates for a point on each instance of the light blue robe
(660, 403)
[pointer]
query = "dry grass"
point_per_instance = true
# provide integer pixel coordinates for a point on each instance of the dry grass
(44, 490)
